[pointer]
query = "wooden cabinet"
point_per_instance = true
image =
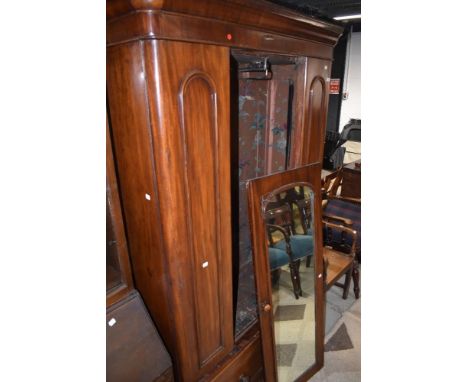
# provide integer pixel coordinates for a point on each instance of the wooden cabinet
(244, 364)
(171, 125)
(135, 351)
(173, 86)
(118, 275)
(351, 184)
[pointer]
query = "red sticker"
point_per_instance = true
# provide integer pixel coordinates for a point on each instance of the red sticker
(229, 36)
(335, 86)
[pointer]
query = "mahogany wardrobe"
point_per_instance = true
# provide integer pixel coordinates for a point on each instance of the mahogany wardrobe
(202, 97)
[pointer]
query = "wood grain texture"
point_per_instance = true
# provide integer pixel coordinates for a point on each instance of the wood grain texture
(309, 137)
(113, 202)
(299, 114)
(244, 362)
(351, 184)
(135, 351)
(256, 189)
(172, 149)
(338, 264)
(258, 14)
(188, 99)
(198, 109)
(169, 105)
(136, 26)
(133, 142)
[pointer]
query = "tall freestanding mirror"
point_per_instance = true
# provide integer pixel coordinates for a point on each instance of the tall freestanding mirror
(288, 262)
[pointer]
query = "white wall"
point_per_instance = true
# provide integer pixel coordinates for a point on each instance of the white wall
(351, 107)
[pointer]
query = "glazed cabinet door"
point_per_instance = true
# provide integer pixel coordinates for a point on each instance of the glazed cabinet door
(181, 133)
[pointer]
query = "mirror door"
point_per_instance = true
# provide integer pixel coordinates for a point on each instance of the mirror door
(286, 236)
(265, 110)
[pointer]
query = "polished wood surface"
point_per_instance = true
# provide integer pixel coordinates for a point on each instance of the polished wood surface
(263, 14)
(331, 183)
(191, 125)
(338, 264)
(317, 98)
(132, 19)
(135, 351)
(200, 130)
(172, 137)
(168, 83)
(339, 258)
(183, 28)
(114, 209)
(133, 146)
(351, 185)
(310, 122)
(256, 189)
(244, 363)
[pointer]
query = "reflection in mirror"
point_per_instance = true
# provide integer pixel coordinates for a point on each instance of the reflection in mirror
(264, 111)
(289, 223)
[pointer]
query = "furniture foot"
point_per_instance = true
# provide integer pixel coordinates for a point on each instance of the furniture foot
(356, 277)
(294, 280)
(347, 283)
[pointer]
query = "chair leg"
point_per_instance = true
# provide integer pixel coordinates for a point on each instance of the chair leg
(275, 276)
(309, 258)
(356, 277)
(347, 283)
(292, 268)
(298, 265)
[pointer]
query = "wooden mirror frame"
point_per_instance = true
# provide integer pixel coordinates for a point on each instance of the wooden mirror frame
(256, 189)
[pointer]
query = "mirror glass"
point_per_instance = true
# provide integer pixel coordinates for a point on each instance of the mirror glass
(289, 224)
(263, 89)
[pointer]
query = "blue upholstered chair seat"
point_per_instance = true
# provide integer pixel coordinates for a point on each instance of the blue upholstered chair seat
(301, 246)
(278, 258)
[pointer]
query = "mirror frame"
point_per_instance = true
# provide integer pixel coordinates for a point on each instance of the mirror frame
(257, 188)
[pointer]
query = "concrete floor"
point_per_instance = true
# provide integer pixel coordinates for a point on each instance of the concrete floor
(343, 365)
(293, 327)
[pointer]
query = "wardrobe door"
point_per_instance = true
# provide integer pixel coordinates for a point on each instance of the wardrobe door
(311, 117)
(133, 144)
(188, 91)
(169, 112)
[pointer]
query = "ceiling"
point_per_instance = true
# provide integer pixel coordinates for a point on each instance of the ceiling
(326, 9)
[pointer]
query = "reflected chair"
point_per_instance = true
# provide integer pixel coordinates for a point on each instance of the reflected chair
(284, 246)
(278, 258)
(295, 197)
(341, 210)
(339, 263)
